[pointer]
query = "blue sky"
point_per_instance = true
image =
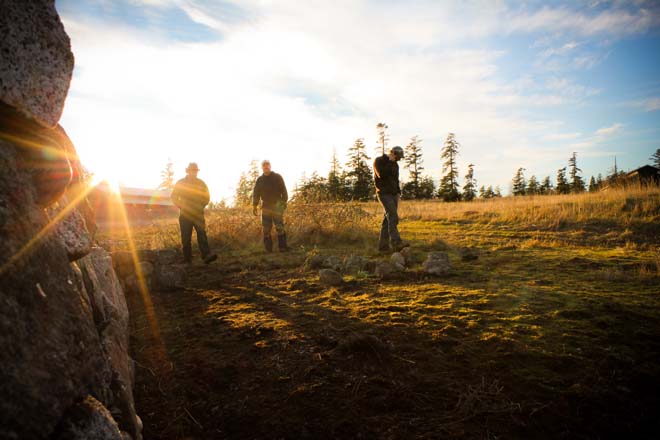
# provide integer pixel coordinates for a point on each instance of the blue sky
(522, 84)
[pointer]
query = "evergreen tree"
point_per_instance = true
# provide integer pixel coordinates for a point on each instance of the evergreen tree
(497, 192)
(336, 179)
(519, 184)
(167, 176)
(470, 187)
(546, 186)
(359, 174)
(593, 186)
(533, 186)
(448, 190)
(312, 190)
(562, 184)
(245, 186)
(426, 188)
(482, 192)
(414, 163)
(577, 183)
(655, 158)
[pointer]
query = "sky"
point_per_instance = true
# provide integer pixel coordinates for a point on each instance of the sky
(223, 82)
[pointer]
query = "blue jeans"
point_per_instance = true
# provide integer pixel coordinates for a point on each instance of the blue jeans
(389, 230)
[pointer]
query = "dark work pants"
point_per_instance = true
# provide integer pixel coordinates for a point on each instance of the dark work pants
(187, 224)
(389, 230)
(270, 217)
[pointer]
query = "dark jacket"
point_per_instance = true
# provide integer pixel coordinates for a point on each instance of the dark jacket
(386, 175)
(271, 190)
(191, 195)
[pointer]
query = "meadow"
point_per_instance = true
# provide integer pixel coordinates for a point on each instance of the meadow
(553, 332)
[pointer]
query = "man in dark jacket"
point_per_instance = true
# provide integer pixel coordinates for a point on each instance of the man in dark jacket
(386, 178)
(191, 195)
(271, 191)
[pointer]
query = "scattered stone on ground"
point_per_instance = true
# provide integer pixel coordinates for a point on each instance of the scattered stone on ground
(169, 277)
(329, 277)
(407, 254)
(398, 260)
(333, 262)
(314, 262)
(437, 263)
(365, 346)
(468, 254)
(354, 264)
(166, 256)
(388, 270)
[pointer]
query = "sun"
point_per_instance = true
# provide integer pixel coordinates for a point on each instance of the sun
(106, 182)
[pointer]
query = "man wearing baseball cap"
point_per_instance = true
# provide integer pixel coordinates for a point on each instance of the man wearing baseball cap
(270, 190)
(386, 179)
(191, 195)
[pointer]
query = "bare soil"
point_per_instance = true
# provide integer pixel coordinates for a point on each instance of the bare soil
(522, 343)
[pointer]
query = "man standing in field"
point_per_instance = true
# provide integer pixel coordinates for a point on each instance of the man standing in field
(271, 191)
(191, 195)
(386, 178)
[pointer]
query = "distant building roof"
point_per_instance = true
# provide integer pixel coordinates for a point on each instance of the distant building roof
(644, 172)
(139, 196)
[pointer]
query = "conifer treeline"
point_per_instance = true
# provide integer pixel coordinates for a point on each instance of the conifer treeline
(353, 181)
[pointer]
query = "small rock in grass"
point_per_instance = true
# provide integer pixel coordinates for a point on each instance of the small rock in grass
(314, 262)
(437, 263)
(387, 270)
(330, 277)
(468, 254)
(398, 259)
(333, 262)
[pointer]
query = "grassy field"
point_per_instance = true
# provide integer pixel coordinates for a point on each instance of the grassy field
(553, 332)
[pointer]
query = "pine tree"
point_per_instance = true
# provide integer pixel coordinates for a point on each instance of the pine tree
(426, 188)
(546, 186)
(448, 190)
(577, 183)
(167, 176)
(593, 186)
(381, 130)
(470, 187)
(519, 184)
(414, 163)
(482, 192)
(336, 179)
(533, 187)
(359, 173)
(243, 195)
(562, 184)
(655, 158)
(497, 192)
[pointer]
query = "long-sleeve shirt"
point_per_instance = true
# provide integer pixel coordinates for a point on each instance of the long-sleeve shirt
(191, 195)
(271, 190)
(386, 175)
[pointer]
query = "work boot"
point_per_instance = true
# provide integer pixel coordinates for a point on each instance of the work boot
(281, 243)
(397, 246)
(268, 243)
(210, 258)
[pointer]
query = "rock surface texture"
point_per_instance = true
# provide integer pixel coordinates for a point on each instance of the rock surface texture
(64, 359)
(36, 62)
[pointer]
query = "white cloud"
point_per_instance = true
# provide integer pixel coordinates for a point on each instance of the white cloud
(609, 131)
(649, 104)
(290, 80)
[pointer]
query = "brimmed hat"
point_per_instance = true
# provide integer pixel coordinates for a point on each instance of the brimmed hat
(398, 152)
(192, 166)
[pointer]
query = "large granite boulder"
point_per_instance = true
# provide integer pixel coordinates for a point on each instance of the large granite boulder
(36, 62)
(110, 312)
(88, 420)
(63, 323)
